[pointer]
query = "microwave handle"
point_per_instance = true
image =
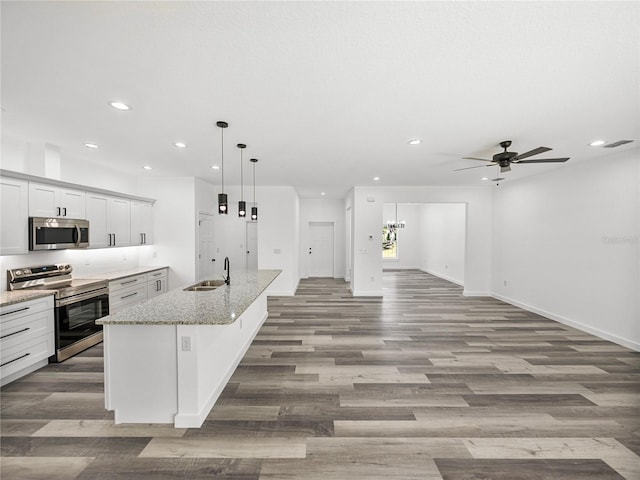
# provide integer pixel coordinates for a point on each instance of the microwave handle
(77, 240)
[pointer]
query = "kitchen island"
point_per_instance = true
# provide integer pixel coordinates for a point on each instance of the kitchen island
(168, 359)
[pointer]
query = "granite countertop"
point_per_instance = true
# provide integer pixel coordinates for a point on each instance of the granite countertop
(117, 275)
(221, 306)
(17, 296)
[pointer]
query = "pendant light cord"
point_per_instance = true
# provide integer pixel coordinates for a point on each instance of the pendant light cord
(241, 176)
(222, 156)
(254, 184)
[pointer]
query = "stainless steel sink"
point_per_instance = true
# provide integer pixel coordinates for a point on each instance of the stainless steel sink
(205, 286)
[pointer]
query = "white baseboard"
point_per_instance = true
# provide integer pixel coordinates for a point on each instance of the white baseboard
(365, 293)
(471, 293)
(442, 276)
(572, 323)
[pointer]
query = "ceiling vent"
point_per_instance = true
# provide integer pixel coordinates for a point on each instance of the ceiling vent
(618, 143)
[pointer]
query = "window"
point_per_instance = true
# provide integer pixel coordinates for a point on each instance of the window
(389, 241)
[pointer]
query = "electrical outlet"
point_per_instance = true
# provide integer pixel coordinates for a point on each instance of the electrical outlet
(446, 266)
(373, 279)
(186, 343)
(504, 283)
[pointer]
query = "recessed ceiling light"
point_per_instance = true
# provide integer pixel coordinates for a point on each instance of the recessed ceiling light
(375, 179)
(180, 144)
(322, 193)
(120, 106)
(415, 141)
(597, 143)
(215, 167)
(147, 167)
(91, 145)
(485, 178)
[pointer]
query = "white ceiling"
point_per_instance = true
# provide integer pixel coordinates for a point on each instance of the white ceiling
(325, 94)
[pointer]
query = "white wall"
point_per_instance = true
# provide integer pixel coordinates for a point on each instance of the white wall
(442, 234)
(279, 237)
(566, 244)
(367, 215)
(323, 210)
(174, 227)
(409, 240)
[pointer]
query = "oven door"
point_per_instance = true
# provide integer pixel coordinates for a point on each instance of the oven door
(76, 327)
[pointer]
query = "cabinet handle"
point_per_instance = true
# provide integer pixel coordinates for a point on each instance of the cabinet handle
(142, 239)
(15, 311)
(58, 211)
(130, 295)
(15, 333)
(145, 238)
(65, 211)
(110, 242)
(157, 274)
(158, 285)
(15, 359)
(114, 239)
(129, 281)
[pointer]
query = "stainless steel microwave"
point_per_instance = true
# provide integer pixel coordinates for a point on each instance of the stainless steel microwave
(57, 233)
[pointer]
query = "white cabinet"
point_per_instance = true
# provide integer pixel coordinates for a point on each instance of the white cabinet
(127, 291)
(136, 289)
(157, 283)
(109, 221)
(51, 202)
(141, 223)
(26, 337)
(14, 226)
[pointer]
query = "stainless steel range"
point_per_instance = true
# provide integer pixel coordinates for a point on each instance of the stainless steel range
(78, 304)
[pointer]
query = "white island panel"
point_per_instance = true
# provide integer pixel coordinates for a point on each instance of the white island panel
(169, 365)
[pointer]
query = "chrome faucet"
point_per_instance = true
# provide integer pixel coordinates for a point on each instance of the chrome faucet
(227, 270)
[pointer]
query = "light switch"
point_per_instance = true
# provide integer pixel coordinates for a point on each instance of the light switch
(276, 251)
(186, 343)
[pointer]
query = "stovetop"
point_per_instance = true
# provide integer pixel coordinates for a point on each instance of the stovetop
(56, 277)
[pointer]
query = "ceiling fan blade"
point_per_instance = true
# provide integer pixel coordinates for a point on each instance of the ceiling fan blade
(505, 169)
(476, 158)
(545, 160)
(531, 153)
(467, 168)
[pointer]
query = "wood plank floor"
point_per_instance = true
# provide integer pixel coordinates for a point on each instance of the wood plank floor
(421, 384)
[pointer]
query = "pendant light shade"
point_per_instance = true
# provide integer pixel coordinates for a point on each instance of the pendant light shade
(254, 209)
(242, 205)
(223, 204)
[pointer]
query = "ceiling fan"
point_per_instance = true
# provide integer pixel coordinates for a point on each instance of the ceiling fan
(505, 159)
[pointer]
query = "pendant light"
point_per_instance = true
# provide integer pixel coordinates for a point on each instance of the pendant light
(242, 205)
(223, 205)
(254, 209)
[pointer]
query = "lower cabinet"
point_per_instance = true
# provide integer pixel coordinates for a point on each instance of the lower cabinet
(136, 289)
(26, 337)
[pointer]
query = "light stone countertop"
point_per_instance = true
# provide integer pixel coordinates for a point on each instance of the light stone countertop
(221, 306)
(17, 296)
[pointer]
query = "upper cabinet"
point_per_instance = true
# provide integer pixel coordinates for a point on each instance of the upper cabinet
(109, 221)
(14, 234)
(115, 220)
(141, 222)
(51, 202)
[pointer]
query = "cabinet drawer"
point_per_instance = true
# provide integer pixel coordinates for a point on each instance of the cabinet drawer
(125, 297)
(24, 354)
(127, 282)
(157, 275)
(9, 313)
(22, 329)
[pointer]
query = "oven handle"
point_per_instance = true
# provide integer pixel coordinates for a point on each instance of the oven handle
(84, 296)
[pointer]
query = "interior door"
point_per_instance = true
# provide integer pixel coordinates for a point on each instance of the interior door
(206, 259)
(320, 253)
(252, 245)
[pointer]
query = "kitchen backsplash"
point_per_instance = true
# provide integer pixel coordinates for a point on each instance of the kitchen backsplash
(84, 262)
